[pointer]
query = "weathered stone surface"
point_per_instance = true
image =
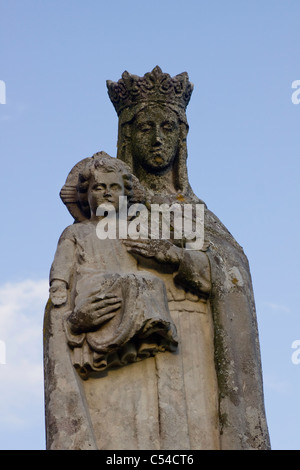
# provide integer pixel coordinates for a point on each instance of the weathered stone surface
(149, 345)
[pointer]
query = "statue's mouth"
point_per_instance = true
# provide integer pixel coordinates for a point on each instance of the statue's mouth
(158, 158)
(157, 155)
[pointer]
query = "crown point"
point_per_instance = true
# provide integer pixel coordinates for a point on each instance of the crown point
(157, 69)
(125, 75)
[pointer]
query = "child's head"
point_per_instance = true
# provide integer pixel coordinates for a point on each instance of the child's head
(103, 180)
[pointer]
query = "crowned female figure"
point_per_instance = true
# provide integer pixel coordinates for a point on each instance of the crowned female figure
(220, 369)
(150, 342)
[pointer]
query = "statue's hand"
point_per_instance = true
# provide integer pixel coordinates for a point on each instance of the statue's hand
(162, 251)
(58, 292)
(98, 309)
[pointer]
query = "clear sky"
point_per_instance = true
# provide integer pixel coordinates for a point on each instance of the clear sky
(243, 144)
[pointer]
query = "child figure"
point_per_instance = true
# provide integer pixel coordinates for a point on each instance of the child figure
(116, 313)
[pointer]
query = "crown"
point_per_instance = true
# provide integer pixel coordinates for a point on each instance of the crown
(154, 86)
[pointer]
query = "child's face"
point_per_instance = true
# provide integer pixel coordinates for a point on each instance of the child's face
(104, 188)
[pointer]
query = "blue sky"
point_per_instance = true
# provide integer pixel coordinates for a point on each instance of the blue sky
(243, 144)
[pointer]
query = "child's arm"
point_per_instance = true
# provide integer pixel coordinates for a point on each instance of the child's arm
(62, 268)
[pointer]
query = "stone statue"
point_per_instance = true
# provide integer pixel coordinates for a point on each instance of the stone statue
(117, 314)
(149, 344)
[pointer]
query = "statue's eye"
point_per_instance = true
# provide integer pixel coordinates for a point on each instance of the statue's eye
(145, 127)
(168, 126)
(98, 187)
(115, 187)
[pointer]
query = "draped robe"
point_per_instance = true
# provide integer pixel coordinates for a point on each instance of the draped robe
(207, 394)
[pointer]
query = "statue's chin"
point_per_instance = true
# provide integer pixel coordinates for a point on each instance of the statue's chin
(157, 165)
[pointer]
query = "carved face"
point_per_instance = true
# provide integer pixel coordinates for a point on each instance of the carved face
(103, 188)
(155, 138)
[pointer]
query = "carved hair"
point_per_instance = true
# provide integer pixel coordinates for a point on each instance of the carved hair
(106, 164)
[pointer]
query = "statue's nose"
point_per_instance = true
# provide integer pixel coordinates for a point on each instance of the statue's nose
(157, 135)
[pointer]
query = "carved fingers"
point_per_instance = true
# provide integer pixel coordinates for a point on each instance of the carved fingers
(104, 305)
(141, 247)
(97, 310)
(162, 250)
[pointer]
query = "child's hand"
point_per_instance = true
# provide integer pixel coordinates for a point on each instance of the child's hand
(58, 292)
(97, 310)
